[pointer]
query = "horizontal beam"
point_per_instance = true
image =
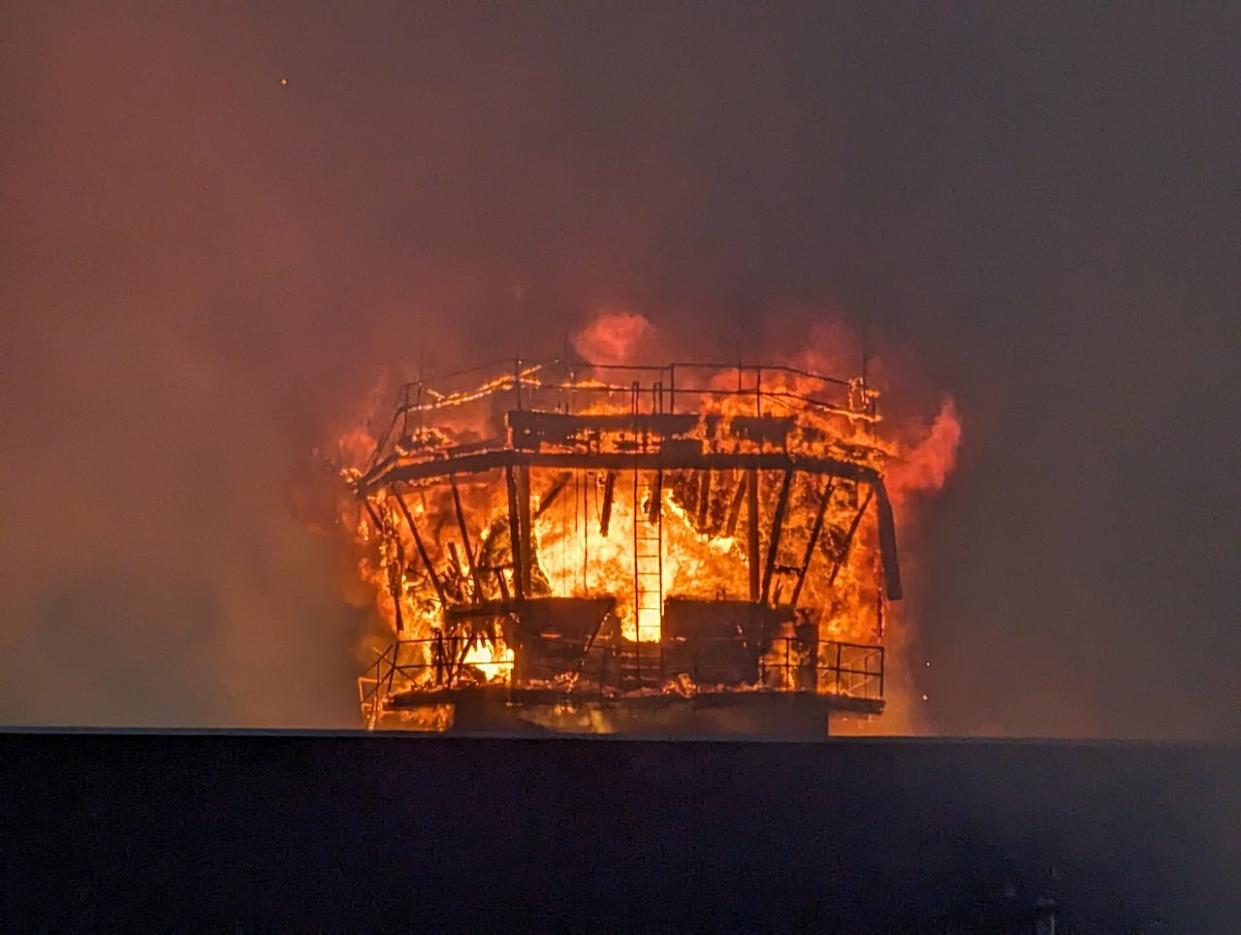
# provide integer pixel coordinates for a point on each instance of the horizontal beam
(675, 458)
(671, 460)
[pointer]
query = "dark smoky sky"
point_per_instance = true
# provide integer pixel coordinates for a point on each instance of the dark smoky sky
(1033, 207)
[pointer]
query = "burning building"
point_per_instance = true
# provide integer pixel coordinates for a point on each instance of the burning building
(688, 548)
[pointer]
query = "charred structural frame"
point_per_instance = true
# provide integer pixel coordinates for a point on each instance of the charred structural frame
(753, 665)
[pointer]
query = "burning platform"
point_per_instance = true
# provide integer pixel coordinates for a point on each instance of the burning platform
(689, 548)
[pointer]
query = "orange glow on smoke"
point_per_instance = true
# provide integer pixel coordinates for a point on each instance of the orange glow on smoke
(611, 337)
(926, 466)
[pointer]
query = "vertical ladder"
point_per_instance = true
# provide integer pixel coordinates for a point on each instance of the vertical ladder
(648, 562)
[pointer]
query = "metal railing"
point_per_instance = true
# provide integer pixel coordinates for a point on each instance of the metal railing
(682, 387)
(595, 669)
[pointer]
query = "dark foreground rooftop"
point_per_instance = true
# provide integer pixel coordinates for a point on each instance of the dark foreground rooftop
(282, 831)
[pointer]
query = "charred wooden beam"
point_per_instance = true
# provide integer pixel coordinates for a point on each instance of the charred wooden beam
(485, 562)
(437, 656)
(420, 546)
(734, 509)
(777, 528)
(815, 531)
(609, 492)
(704, 497)
(394, 580)
(396, 658)
(887, 543)
(844, 548)
(751, 504)
(656, 505)
(514, 531)
(376, 521)
(762, 430)
(554, 491)
(523, 507)
(458, 567)
(482, 610)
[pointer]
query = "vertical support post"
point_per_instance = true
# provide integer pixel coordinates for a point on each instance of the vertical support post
(514, 532)
(734, 508)
(517, 383)
(421, 416)
(887, 543)
(777, 527)
(751, 500)
(605, 513)
(654, 509)
(637, 571)
(523, 507)
(704, 497)
(788, 664)
(635, 406)
(584, 484)
(879, 599)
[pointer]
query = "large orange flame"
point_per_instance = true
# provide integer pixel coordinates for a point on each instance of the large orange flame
(576, 551)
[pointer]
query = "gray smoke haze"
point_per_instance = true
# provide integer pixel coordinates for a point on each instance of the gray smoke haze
(205, 272)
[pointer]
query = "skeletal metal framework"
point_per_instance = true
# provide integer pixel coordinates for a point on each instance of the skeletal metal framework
(566, 542)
